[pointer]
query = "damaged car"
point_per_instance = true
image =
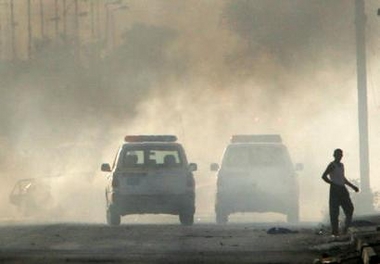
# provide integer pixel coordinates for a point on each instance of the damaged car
(32, 196)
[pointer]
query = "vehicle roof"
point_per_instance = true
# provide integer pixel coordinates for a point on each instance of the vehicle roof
(257, 144)
(146, 143)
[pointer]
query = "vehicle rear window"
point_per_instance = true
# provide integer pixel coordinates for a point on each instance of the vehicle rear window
(252, 156)
(154, 156)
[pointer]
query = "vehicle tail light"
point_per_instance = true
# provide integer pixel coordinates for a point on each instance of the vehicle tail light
(190, 182)
(113, 198)
(115, 182)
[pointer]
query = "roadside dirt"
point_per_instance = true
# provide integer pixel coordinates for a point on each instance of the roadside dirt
(166, 243)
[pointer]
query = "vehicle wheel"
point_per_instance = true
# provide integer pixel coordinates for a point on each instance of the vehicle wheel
(221, 218)
(186, 218)
(113, 218)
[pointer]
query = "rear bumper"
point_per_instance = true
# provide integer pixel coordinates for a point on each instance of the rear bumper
(255, 203)
(154, 204)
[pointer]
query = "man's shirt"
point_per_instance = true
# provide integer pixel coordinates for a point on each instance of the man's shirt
(336, 173)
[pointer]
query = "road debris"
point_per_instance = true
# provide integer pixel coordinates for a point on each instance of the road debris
(361, 245)
(280, 230)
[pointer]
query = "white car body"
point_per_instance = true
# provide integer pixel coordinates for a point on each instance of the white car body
(256, 175)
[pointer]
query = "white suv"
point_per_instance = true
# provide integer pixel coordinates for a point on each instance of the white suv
(256, 175)
(150, 175)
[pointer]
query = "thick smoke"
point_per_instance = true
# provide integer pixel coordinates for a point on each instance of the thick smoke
(200, 70)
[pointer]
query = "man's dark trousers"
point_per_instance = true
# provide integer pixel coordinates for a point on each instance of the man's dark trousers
(339, 196)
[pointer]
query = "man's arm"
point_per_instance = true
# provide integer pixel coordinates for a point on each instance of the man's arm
(326, 173)
(354, 187)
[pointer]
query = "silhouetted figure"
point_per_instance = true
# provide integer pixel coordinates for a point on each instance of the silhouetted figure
(339, 196)
(169, 161)
(130, 161)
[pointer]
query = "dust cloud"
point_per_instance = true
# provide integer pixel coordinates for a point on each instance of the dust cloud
(202, 70)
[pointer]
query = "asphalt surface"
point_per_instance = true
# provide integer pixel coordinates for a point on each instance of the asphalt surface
(159, 243)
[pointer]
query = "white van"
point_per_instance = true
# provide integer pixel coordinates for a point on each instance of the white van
(256, 175)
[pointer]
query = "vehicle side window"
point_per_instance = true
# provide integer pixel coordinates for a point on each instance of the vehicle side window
(115, 159)
(131, 159)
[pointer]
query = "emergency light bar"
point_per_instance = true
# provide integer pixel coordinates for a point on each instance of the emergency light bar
(150, 138)
(256, 138)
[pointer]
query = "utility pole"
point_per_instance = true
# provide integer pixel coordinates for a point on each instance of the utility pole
(111, 8)
(42, 20)
(64, 14)
(92, 13)
(1, 38)
(56, 19)
(1, 33)
(366, 199)
(29, 31)
(76, 24)
(13, 25)
(98, 34)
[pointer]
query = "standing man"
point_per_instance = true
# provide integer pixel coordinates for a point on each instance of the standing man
(339, 196)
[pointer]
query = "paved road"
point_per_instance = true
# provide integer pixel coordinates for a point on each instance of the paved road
(155, 243)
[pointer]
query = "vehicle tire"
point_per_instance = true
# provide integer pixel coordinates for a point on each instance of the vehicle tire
(221, 218)
(186, 218)
(113, 218)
